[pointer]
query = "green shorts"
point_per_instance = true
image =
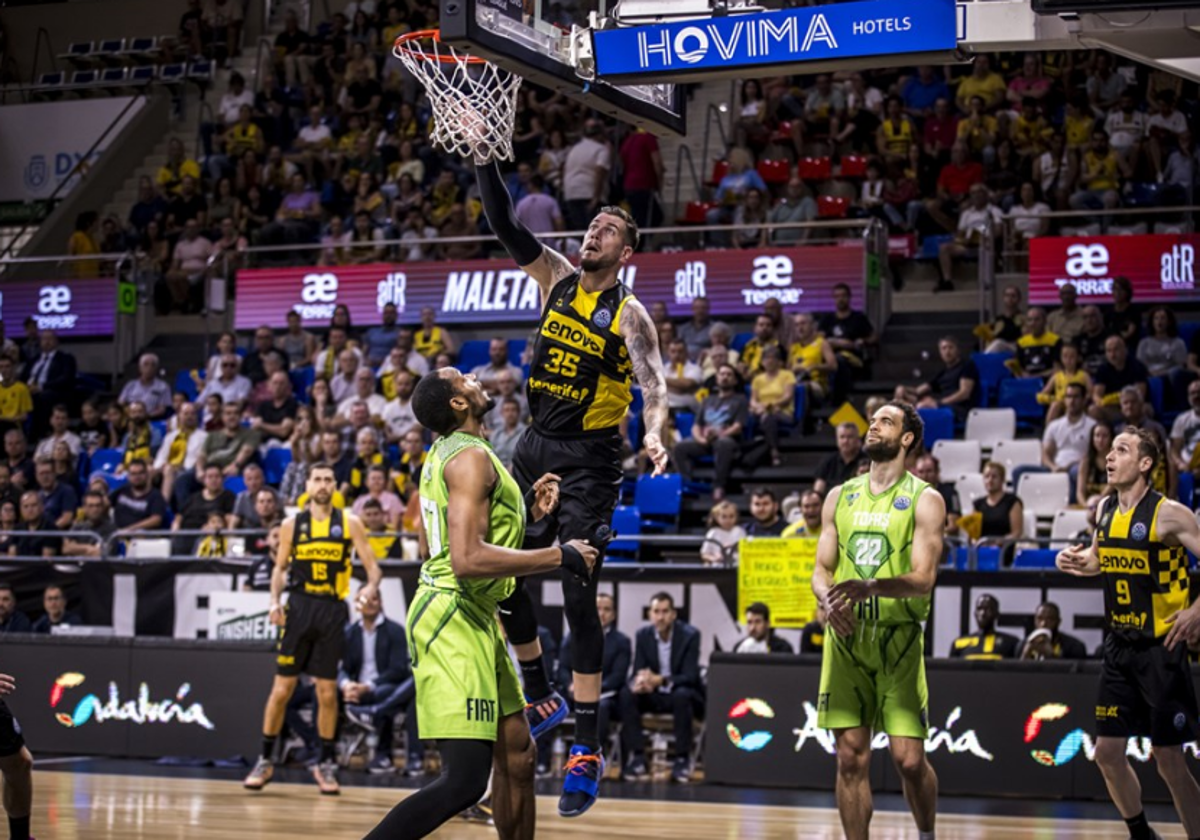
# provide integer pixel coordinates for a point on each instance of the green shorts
(466, 682)
(876, 679)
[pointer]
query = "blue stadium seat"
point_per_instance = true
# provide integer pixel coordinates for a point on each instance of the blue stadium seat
(684, 420)
(159, 426)
(626, 521)
(1156, 391)
(1186, 489)
(1187, 330)
(516, 349)
(235, 484)
(472, 354)
(302, 380)
(1021, 396)
(106, 460)
(659, 499)
(991, 372)
(1035, 558)
(275, 464)
(987, 558)
(801, 407)
(932, 245)
(186, 385)
(939, 425)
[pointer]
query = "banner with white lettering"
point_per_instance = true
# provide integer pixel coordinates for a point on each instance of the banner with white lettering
(1161, 267)
(736, 283)
(73, 308)
(45, 143)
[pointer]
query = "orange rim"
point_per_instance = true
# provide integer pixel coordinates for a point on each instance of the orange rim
(434, 35)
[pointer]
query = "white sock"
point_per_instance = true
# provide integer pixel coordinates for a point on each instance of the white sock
(925, 835)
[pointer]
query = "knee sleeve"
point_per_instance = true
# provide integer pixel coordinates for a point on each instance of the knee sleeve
(518, 616)
(579, 603)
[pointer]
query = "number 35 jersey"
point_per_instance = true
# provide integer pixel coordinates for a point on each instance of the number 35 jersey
(875, 535)
(1145, 580)
(581, 377)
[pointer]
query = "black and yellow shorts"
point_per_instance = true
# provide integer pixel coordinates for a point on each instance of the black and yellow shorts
(590, 469)
(313, 637)
(1146, 691)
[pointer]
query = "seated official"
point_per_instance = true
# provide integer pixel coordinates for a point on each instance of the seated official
(54, 602)
(760, 635)
(988, 643)
(666, 679)
(1047, 641)
(614, 668)
(376, 682)
(12, 620)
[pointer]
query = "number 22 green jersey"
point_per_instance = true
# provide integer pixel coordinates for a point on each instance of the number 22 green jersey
(875, 535)
(506, 521)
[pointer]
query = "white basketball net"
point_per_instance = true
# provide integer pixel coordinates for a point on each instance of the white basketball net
(474, 101)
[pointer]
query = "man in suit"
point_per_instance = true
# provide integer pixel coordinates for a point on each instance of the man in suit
(614, 667)
(376, 682)
(51, 380)
(666, 668)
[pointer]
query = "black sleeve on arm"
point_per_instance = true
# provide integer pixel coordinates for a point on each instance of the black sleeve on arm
(521, 245)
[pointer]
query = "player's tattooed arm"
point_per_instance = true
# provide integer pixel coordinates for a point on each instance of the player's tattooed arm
(547, 270)
(641, 338)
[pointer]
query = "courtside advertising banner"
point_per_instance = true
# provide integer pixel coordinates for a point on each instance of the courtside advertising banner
(492, 292)
(43, 144)
(1161, 267)
(73, 308)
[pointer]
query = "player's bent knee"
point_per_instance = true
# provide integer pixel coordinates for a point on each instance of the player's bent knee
(1110, 752)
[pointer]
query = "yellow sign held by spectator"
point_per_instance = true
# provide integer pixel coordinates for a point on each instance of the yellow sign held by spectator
(778, 573)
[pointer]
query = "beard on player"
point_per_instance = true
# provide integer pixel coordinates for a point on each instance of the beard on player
(323, 497)
(880, 450)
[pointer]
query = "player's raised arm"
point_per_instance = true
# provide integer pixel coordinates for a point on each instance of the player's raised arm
(545, 265)
(642, 340)
(366, 555)
(470, 479)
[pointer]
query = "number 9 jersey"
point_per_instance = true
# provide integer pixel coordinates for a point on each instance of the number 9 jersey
(581, 377)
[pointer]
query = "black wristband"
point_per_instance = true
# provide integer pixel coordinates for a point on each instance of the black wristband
(572, 561)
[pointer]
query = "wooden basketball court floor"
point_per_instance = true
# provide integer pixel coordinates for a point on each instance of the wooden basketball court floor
(99, 806)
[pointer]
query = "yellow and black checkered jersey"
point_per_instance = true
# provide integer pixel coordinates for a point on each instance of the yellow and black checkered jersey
(581, 377)
(1145, 580)
(321, 553)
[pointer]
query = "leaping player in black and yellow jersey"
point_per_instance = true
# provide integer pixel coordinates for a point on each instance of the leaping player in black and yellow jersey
(314, 558)
(1146, 687)
(595, 338)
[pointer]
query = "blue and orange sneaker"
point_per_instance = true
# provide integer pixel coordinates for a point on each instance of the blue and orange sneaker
(581, 785)
(540, 723)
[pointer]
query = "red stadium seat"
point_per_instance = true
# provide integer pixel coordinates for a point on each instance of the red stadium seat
(832, 207)
(775, 171)
(696, 213)
(720, 170)
(816, 168)
(854, 166)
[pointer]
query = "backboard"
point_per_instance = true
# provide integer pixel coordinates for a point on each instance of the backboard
(533, 38)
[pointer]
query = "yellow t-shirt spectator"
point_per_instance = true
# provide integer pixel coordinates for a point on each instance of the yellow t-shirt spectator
(15, 401)
(81, 243)
(769, 390)
(975, 134)
(1078, 131)
(810, 355)
(990, 88)
(241, 139)
(1104, 171)
(170, 177)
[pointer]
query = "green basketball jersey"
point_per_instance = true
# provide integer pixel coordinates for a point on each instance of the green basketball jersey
(506, 521)
(875, 535)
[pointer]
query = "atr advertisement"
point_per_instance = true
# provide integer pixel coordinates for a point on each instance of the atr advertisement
(1027, 729)
(73, 308)
(736, 283)
(1161, 267)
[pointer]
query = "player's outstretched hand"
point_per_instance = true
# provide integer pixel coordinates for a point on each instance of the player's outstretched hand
(1073, 560)
(545, 495)
(579, 557)
(7, 684)
(657, 453)
(1185, 627)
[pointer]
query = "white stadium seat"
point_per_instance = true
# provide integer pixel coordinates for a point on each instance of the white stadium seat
(956, 457)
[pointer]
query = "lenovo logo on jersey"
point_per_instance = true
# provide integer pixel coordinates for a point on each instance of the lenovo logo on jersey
(562, 329)
(1126, 564)
(772, 278)
(1178, 268)
(319, 552)
(318, 296)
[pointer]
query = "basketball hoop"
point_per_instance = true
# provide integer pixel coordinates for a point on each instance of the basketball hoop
(474, 101)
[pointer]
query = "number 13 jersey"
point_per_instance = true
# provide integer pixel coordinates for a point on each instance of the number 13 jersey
(875, 535)
(581, 378)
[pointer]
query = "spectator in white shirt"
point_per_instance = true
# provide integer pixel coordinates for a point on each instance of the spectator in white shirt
(184, 279)
(498, 363)
(683, 377)
(1163, 130)
(399, 417)
(148, 389)
(59, 431)
(329, 361)
(538, 211)
(180, 449)
(231, 386)
(343, 385)
(1065, 441)
(1185, 434)
(312, 144)
(1125, 126)
(585, 176)
(364, 392)
(974, 220)
(1029, 216)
